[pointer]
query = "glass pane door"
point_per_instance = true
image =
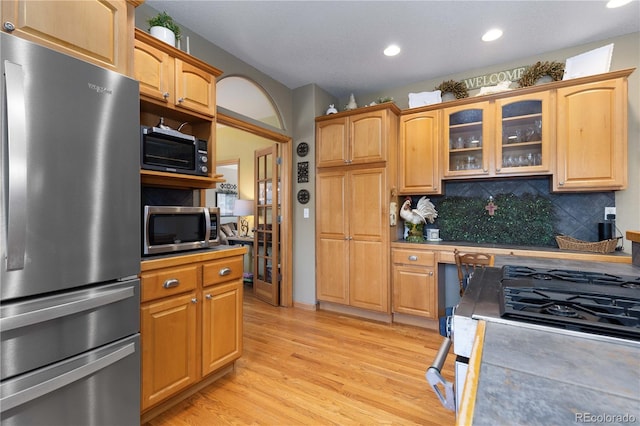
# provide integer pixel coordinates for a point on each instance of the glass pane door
(266, 244)
(465, 141)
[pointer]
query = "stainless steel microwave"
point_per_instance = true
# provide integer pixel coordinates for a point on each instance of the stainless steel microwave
(167, 150)
(169, 229)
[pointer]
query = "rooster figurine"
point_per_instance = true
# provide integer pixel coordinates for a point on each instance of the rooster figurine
(425, 211)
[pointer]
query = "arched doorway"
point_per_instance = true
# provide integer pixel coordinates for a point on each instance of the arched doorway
(245, 108)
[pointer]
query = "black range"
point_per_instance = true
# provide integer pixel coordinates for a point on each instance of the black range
(591, 302)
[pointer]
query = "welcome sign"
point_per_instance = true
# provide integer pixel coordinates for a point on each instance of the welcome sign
(494, 78)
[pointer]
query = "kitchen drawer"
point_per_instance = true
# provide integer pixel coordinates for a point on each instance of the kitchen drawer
(413, 257)
(222, 270)
(167, 282)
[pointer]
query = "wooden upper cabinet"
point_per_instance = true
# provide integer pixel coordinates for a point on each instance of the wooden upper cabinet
(524, 134)
(355, 137)
(154, 70)
(195, 88)
(332, 137)
(592, 136)
(468, 140)
(418, 156)
(96, 31)
(173, 79)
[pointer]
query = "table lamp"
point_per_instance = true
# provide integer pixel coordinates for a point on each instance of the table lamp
(242, 209)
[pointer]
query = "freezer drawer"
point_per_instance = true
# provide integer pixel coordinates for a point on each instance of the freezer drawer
(98, 388)
(41, 331)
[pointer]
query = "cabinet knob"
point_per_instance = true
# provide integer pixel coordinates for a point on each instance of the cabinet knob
(180, 100)
(9, 27)
(194, 300)
(485, 170)
(165, 95)
(224, 271)
(413, 258)
(560, 183)
(171, 283)
(430, 273)
(498, 169)
(208, 297)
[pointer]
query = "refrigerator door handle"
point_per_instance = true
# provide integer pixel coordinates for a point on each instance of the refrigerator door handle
(59, 310)
(29, 394)
(17, 165)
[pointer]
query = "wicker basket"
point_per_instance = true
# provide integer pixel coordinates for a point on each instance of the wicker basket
(604, 246)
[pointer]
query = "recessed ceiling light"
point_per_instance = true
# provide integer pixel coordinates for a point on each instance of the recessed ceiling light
(491, 35)
(392, 50)
(617, 3)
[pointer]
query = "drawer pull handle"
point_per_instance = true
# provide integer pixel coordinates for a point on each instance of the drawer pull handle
(413, 258)
(173, 282)
(224, 271)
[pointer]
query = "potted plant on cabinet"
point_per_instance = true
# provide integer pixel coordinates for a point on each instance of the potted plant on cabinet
(163, 27)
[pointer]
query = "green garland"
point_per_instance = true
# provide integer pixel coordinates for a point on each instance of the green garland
(521, 220)
(458, 88)
(555, 70)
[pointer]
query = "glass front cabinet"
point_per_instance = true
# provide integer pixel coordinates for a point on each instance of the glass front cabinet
(523, 134)
(468, 135)
(508, 136)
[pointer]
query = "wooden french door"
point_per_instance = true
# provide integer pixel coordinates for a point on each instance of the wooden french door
(266, 236)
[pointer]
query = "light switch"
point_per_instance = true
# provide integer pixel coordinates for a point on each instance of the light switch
(305, 213)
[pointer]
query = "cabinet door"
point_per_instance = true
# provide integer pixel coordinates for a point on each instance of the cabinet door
(368, 137)
(331, 137)
(195, 88)
(96, 31)
(168, 336)
(419, 171)
(414, 291)
(153, 68)
(368, 240)
(592, 137)
(332, 224)
(524, 134)
(221, 325)
(468, 140)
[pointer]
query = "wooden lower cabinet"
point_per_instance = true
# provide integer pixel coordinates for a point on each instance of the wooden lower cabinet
(168, 329)
(190, 322)
(415, 283)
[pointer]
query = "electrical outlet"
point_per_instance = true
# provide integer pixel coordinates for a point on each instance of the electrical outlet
(608, 211)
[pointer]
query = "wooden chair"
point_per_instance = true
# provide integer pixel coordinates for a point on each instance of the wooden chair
(467, 264)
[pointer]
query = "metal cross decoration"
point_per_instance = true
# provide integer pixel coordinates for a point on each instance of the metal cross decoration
(491, 207)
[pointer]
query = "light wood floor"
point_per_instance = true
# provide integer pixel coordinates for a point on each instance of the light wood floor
(316, 368)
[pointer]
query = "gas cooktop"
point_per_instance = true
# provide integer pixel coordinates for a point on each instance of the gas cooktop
(588, 302)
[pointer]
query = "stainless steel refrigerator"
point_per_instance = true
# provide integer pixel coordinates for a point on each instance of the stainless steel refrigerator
(69, 241)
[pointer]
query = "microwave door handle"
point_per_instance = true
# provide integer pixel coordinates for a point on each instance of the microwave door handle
(436, 380)
(17, 166)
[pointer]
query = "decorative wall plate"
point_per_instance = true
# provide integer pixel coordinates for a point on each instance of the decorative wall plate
(302, 149)
(303, 196)
(303, 172)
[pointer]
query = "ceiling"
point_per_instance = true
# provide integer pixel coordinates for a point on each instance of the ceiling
(338, 44)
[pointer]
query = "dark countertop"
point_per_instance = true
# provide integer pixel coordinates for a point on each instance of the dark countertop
(534, 377)
(523, 374)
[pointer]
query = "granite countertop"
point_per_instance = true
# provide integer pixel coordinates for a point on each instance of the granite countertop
(533, 377)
